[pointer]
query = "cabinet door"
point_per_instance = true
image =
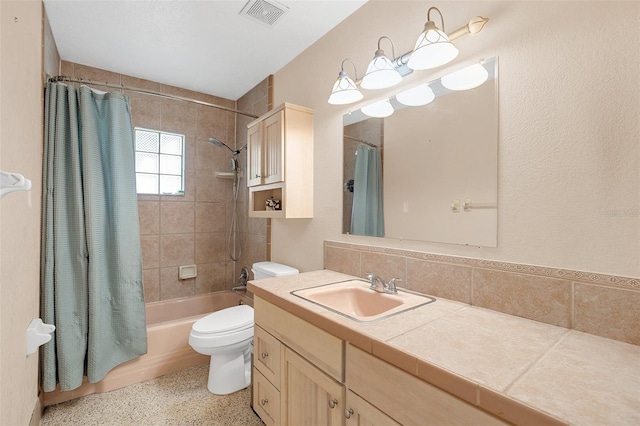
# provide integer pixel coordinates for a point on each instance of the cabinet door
(266, 355)
(273, 149)
(308, 396)
(266, 399)
(254, 155)
(360, 413)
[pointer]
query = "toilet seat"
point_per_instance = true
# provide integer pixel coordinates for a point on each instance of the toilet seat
(227, 320)
(222, 328)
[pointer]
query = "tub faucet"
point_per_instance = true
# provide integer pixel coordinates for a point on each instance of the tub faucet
(242, 280)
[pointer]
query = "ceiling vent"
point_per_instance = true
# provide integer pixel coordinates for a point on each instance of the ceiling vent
(267, 12)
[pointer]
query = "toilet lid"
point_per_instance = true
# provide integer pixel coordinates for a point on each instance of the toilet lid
(234, 318)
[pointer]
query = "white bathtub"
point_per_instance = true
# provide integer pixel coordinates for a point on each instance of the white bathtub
(168, 350)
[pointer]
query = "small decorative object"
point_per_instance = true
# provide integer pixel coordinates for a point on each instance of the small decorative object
(349, 185)
(272, 204)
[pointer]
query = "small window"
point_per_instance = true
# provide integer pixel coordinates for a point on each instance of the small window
(159, 162)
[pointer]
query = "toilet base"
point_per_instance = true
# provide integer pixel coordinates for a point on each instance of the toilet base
(229, 373)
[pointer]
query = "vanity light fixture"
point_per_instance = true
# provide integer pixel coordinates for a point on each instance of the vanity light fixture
(433, 48)
(345, 90)
(474, 26)
(381, 73)
(378, 109)
(416, 96)
(466, 78)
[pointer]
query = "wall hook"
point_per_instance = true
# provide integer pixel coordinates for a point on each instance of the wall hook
(12, 182)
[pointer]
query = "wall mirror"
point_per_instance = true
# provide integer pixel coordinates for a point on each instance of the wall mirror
(426, 173)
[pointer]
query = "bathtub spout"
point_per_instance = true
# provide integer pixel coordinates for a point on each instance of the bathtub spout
(242, 280)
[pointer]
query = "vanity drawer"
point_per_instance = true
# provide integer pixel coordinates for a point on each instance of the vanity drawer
(406, 398)
(321, 348)
(266, 355)
(266, 399)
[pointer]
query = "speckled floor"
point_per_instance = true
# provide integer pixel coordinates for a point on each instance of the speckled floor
(180, 398)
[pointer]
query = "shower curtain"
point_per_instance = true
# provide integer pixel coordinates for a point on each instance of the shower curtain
(367, 215)
(91, 258)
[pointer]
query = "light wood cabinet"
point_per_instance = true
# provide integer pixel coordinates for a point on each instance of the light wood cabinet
(254, 155)
(316, 345)
(280, 162)
(266, 399)
(359, 412)
(406, 398)
(306, 376)
(302, 364)
(266, 355)
(308, 395)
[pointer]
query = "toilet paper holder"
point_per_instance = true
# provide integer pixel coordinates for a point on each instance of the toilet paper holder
(38, 333)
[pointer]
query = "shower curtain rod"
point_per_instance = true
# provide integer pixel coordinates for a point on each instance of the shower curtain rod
(65, 79)
(362, 141)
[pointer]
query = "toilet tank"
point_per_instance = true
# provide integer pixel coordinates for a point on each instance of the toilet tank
(271, 269)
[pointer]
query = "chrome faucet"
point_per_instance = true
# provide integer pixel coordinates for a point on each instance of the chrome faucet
(242, 280)
(391, 287)
(377, 284)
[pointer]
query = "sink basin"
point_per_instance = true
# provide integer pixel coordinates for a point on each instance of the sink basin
(355, 300)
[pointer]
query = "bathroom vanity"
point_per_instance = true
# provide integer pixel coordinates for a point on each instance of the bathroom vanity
(305, 375)
(315, 366)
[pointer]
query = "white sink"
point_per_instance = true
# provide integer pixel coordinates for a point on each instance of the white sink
(355, 300)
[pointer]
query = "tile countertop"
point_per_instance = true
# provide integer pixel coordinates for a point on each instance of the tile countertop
(523, 371)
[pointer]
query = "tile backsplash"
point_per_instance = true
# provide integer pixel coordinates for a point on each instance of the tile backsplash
(604, 305)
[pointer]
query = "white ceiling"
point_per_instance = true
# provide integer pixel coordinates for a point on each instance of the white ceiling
(205, 45)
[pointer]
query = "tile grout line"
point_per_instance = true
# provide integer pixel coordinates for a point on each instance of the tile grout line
(537, 361)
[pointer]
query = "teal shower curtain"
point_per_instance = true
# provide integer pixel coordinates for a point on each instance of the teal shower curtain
(91, 281)
(367, 214)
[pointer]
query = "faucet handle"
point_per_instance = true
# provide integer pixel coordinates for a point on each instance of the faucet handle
(391, 287)
(372, 279)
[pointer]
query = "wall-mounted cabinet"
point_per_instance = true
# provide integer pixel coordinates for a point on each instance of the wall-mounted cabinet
(280, 162)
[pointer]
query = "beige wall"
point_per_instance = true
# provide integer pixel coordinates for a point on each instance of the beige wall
(21, 152)
(568, 167)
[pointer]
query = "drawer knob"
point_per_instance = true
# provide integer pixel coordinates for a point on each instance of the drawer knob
(263, 355)
(333, 403)
(264, 401)
(348, 412)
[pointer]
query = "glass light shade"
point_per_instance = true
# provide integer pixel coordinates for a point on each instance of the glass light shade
(432, 49)
(344, 91)
(380, 73)
(379, 109)
(416, 96)
(466, 78)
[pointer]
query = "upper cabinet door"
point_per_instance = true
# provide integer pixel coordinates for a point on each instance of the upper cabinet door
(280, 163)
(273, 149)
(254, 155)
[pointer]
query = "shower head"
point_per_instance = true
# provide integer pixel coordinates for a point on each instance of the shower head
(220, 144)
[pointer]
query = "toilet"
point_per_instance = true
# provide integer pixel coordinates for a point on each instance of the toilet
(263, 270)
(227, 336)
